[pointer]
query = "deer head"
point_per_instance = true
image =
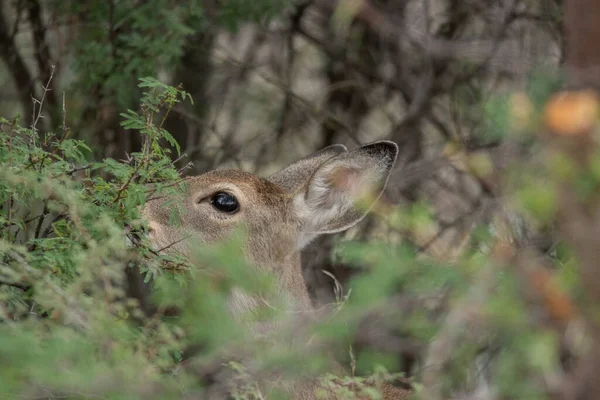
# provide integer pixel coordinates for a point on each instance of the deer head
(327, 192)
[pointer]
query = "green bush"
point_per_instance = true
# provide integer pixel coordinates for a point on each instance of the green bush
(66, 320)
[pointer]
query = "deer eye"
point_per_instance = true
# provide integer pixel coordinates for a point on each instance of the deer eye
(225, 202)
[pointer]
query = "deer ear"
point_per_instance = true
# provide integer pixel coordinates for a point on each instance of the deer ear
(343, 189)
(294, 176)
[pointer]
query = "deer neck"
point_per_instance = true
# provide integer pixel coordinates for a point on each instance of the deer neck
(292, 282)
(289, 283)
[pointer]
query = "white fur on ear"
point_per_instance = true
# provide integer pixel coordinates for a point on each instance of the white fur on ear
(342, 190)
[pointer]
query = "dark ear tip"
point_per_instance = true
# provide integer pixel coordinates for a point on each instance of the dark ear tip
(387, 143)
(383, 149)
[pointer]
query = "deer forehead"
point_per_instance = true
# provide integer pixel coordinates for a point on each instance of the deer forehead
(259, 199)
(249, 186)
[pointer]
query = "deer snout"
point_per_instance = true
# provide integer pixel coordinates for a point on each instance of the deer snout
(152, 227)
(162, 236)
(154, 231)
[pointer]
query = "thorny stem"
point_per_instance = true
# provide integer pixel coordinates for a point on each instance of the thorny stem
(64, 116)
(65, 130)
(37, 117)
(41, 220)
(10, 161)
(133, 175)
(171, 245)
(77, 169)
(164, 118)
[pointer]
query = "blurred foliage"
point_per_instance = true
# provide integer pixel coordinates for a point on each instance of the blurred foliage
(64, 254)
(124, 40)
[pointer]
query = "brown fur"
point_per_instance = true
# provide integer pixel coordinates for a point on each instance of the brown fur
(281, 215)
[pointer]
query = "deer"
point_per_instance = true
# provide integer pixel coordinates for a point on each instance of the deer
(316, 195)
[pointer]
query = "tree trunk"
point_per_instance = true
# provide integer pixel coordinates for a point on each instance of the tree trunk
(582, 30)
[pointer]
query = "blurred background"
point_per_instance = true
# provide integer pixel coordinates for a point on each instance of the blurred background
(452, 82)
